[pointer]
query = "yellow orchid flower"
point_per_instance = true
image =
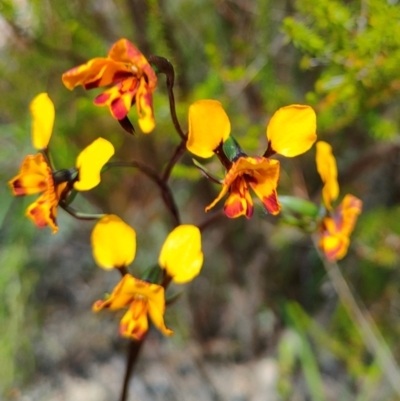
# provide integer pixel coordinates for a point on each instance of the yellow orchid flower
(114, 246)
(131, 77)
(291, 131)
(338, 224)
(181, 254)
(336, 229)
(144, 299)
(36, 175)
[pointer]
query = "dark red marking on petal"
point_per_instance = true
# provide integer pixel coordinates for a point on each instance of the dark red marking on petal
(121, 75)
(18, 189)
(271, 203)
(93, 84)
(250, 211)
(101, 99)
(234, 209)
(119, 111)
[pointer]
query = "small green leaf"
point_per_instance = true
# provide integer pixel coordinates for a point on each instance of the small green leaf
(303, 207)
(151, 274)
(206, 172)
(232, 149)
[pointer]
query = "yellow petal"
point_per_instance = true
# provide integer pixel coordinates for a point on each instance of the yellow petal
(144, 104)
(34, 176)
(134, 324)
(347, 213)
(181, 254)
(327, 169)
(90, 162)
(334, 246)
(43, 212)
(154, 294)
(43, 113)
(208, 126)
(95, 73)
(113, 242)
(292, 130)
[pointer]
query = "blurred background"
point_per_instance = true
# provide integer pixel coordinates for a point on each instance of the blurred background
(262, 321)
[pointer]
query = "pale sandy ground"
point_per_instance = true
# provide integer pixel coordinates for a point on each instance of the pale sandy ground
(175, 376)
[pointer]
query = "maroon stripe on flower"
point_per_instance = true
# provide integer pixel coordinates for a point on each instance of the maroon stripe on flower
(118, 109)
(271, 203)
(121, 75)
(101, 99)
(17, 188)
(93, 84)
(234, 208)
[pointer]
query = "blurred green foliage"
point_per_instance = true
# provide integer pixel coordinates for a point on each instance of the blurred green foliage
(254, 56)
(355, 49)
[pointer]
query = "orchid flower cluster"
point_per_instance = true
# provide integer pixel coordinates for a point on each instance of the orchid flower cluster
(131, 79)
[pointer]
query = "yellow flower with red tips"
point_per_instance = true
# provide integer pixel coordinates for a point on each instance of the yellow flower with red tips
(291, 131)
(36, 175)
(258, 173)
(132, 78)
(114, 246)
(338, 224)
(143, 299)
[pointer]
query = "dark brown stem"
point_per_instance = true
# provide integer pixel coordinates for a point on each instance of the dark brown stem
(79, 215)
(174, 159)
(166, 193)
(133, 354)
(165, 67)
(269, 152)
(210, 220)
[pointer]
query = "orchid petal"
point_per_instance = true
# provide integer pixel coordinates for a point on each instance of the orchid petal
(43, 114)
(181, 254)
(292, 130)
(327, 169)
(90, 162)
(113, 243)
(209, 126)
